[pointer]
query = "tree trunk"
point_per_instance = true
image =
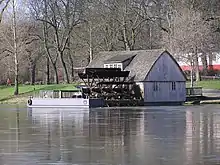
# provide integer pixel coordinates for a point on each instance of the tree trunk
(71, 60)
(15, 48)
(125, 34)
(191, 72)
(72, 68)
(132, 38)
(198, 77)
(48, 71)
(210, 61)
(205, 64)
(33, 71)
(90, 45)
(66, 76)
(46, 37)
(56, 78)
(126, 42)
(150, 36)
(32, 68)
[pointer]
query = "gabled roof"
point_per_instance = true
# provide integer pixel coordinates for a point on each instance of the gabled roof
(119, 58)
(100, 59)
(139, 66)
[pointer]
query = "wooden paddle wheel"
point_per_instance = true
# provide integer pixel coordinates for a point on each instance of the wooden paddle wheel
(111, 84)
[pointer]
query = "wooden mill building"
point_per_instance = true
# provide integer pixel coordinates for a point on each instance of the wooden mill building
(157, 73)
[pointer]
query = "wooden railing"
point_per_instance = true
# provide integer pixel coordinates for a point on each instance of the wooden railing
(194, 91)
(57, 93)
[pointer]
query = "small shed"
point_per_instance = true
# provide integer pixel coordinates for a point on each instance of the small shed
(156, 72)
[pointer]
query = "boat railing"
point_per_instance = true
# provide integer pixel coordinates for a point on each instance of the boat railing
(194, 91)
(59, 94)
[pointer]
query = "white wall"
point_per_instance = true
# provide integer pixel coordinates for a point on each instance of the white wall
(141, 85)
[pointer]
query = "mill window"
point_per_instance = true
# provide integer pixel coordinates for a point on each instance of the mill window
(155, 87)
(173, 86)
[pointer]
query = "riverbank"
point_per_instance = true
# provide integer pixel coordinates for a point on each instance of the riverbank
(7, 97)
(211, 88)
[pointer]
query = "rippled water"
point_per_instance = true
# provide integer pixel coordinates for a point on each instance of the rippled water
(140, 136)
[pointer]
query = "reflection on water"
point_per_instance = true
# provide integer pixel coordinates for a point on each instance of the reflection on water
(151, 135)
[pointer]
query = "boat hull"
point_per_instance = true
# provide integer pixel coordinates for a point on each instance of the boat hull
(65, 102)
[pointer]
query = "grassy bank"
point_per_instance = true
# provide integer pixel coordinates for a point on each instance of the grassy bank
(6, 92)
(207, 84)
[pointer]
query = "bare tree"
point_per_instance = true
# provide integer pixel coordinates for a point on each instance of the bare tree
(125, 20)
(15, 51)
(39, 10)
(15, 37)
(61, 17)
(188, 36)
(3, 6)
(34, 50)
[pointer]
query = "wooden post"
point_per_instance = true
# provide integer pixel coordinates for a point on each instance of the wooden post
(60, 94)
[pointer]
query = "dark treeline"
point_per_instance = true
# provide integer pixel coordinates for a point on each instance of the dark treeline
(49, 39)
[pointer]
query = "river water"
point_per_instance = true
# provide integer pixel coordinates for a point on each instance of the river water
(188, 135)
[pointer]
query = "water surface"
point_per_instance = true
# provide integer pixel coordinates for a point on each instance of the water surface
(121, 136)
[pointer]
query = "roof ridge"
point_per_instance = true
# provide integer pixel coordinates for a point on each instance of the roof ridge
(148, 50)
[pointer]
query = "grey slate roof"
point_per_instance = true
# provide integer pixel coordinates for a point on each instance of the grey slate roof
(139, 66)
(120, 58)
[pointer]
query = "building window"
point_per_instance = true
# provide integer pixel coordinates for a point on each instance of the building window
(119, 66)
(155, 87)
(113, 66)
(173, 86)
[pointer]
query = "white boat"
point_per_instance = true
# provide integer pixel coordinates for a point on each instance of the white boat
(64, 98)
